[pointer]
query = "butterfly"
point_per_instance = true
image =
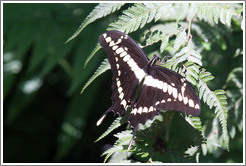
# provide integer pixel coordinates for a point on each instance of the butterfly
(162, 88)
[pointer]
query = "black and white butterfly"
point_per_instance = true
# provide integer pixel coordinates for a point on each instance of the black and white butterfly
(162, 88)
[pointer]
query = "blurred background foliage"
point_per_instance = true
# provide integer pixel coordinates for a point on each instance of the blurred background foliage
(45, 117)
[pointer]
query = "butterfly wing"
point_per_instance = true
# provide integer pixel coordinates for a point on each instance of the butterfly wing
(126, 59)
(163, 89)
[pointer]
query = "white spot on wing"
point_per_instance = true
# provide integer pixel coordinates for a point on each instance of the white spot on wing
(126, 48)
(163, 101)
(157, 103)
(119, 50)
(170, 89)
(140, 109)
(112, 43)
(180, 97)
(139, 73)
(123, 54)
(145, 110)
(182, 79)
(116, 59)
(132, 64)
(169, 99)
(123, 102)
(134, 111)
(175, 93)
(151, 109)
(191, 103)
(126, 58)
(104, 35)
(197, 106)
(115, 47)
(118, 83)
(108, 39)
(121, 96)
(165, 87)
(148, 81)
(117, 66)
(160, 84)
(119, 72)
(120, 90)
(185, 100)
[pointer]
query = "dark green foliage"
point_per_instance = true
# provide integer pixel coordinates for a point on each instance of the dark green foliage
(53, 122)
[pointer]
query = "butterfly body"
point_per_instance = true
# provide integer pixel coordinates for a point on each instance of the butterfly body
(162, 88)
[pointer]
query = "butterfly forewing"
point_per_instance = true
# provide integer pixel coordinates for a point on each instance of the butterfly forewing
(127, 60)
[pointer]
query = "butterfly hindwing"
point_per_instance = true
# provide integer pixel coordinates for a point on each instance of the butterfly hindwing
(163, 89)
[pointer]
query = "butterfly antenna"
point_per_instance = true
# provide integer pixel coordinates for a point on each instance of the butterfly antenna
(134, 134)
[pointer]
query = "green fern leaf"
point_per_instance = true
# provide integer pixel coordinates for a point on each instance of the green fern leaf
(162, 10)
(180, 40)
(101, 10)
(138, 16)
(154, 37)
(164, 43)
(114, 125)
(218, 99)
(195, 122)
(205, 76)
(195, 57)
(101, 69)
(192, 10)
(193, 151)
(94, 51)
(182, 11)
(217, 12)
(228, 19)
(120, 145)
(222, 114)
(222, 16)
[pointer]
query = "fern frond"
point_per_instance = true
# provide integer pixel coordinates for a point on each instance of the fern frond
(234, 92)
(195, 122)
(94, 51)
(114, 125)
(152, 37)
(164, 43)
(192, 72)
(138, 16)
(101, 69)
(216, 12)
(193, 151)
(192, 10)
(184, 54)
(182, 11)
(161, 10)
(215, 99)
(180, 40)
(101, 10)
(124, 138)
